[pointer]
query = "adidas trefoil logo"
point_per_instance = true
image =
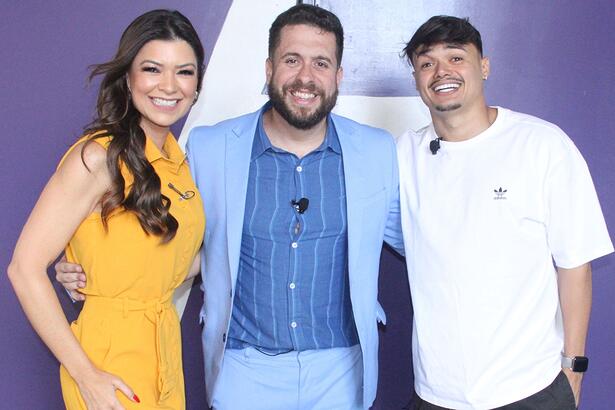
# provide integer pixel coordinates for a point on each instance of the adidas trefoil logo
(500, 193)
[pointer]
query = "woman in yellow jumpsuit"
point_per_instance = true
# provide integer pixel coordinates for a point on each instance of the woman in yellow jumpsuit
(124, 205)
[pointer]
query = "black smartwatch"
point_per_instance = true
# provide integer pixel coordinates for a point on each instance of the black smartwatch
(576, 363)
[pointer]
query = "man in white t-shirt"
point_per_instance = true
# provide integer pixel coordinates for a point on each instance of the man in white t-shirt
(490, 199)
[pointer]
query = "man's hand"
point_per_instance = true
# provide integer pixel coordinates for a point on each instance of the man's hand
(71, 276)
(575, 379)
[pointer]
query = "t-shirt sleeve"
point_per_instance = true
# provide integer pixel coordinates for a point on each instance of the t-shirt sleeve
(576, 228)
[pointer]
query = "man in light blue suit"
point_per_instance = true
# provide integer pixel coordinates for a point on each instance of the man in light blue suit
(298, 201)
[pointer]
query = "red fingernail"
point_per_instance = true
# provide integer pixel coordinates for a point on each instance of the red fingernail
(136, 398)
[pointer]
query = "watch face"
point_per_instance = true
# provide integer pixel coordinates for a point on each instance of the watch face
(579, 364)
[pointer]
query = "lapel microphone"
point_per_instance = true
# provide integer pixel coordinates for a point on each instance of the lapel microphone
(434, 145)
(301, 205)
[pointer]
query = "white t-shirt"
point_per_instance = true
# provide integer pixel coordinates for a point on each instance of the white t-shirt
(483, 220)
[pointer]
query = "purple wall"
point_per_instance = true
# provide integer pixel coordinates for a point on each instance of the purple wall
(552, 60)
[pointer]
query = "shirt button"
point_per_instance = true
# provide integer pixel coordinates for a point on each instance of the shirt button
(293, 324)
(292, 285)
(294, 245)
(299, 168)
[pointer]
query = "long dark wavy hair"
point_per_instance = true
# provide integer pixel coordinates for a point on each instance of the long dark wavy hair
(118, 117)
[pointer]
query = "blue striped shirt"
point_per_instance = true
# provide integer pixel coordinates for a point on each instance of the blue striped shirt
(292, 289)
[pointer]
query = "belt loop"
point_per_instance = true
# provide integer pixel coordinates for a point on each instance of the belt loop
(125, 307)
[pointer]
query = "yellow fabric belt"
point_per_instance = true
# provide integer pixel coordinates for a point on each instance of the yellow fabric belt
(161, 313)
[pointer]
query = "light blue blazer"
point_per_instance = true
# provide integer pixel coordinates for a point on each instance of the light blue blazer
(219, 157)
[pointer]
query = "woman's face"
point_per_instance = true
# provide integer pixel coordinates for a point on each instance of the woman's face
(162, 82)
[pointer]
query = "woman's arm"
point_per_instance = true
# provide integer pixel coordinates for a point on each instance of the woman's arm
(72, 193)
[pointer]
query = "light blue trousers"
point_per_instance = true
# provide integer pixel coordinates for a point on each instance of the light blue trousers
(327, 379)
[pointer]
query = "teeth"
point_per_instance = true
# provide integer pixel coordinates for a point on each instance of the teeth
(302, 95)
(164, 103)
(446, 87)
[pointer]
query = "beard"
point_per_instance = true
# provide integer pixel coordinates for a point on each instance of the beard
(450, 107)
(301, 118)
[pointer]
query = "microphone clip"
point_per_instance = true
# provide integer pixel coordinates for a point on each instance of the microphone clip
(434, 145)
(301, 205)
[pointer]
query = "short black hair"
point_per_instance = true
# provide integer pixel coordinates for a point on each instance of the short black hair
(443, 29)
(311, 16)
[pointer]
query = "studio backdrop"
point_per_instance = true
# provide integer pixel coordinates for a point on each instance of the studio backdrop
(549, 59)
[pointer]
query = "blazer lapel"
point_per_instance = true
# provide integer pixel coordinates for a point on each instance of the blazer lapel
(352, 154)
(237, 167)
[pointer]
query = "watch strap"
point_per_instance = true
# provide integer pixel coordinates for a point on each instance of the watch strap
(576, 363)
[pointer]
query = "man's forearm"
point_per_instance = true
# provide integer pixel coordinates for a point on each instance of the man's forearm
(575, 294)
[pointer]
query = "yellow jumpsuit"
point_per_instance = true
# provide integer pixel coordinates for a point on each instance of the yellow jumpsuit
(128, 325)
